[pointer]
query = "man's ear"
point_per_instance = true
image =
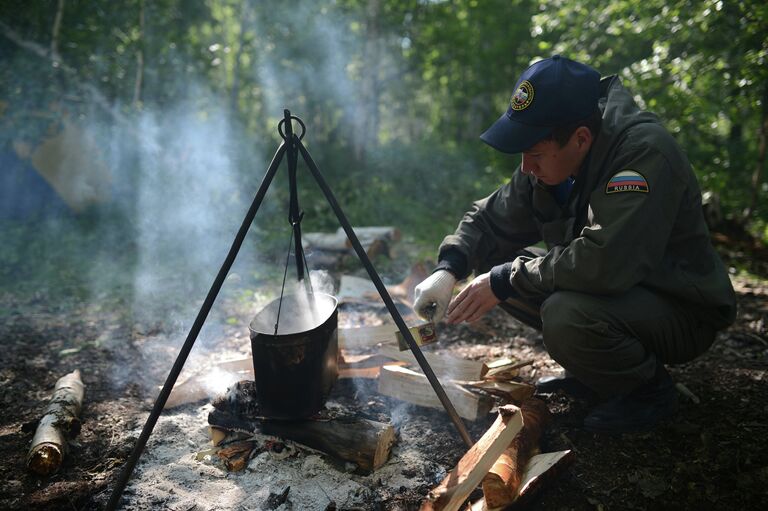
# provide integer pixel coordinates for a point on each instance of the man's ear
(583, 138)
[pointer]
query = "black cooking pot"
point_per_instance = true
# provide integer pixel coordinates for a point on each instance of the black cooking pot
(295, 369)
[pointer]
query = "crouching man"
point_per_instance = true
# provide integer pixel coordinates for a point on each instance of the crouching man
(628, 281)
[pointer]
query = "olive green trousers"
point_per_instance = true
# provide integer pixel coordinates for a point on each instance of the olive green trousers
(613, 343)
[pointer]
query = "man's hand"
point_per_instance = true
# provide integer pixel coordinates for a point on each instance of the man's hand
(473, 302)
(431, 297)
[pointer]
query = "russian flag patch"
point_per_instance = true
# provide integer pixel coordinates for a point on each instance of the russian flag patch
(627, 181)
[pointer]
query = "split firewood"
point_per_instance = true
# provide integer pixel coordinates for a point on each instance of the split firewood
(451, 493)
(505, 368)
(363, 366)
(235, 456)
(413, 387)
(541, 469)
(355, 338)
(501, 484)
(60, 422)
(371, 336)
(444, 366)
(509, 391)
(221, 436)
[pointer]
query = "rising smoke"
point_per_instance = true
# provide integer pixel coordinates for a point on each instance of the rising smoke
(179, 175)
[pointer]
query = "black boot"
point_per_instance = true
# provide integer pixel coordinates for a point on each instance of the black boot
(640, 410)
(566, 383)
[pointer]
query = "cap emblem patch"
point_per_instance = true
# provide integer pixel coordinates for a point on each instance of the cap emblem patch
(523, 96)
(627, 181)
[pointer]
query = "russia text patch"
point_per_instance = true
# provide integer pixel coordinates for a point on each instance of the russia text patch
(627, 181)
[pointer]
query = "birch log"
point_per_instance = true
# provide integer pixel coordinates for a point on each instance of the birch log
(60, 422)
(451, 493)
(502, 483)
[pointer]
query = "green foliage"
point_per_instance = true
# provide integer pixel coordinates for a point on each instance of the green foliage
(394, 92)
(701, 66)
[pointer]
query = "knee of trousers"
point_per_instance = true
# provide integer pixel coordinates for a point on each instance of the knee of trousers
(568, 325)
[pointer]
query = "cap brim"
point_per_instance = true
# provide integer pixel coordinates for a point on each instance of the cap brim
(512, 137)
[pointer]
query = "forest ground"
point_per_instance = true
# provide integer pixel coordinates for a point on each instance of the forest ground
(713, 455)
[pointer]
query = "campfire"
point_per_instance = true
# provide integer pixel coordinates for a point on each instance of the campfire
(299, 352)
(356, 429)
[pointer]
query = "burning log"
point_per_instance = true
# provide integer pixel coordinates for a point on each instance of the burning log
(361, 441)
(59, 422)
(413, 387)
(235, 456)
(501, 484)
(472, 467)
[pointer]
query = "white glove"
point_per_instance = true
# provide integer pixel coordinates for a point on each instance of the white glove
(433, 295)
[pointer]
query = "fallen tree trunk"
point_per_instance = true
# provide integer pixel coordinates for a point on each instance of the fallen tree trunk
(502, 483)
(60, 422)
(363, 442)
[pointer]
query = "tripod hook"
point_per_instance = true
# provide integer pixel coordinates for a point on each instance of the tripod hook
(282, 123)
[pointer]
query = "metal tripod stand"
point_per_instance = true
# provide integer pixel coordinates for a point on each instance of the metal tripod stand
(293, 146)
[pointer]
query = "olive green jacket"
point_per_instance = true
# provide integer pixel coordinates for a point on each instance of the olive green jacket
(605, 239)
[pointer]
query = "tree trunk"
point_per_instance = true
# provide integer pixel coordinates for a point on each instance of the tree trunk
(56, 30)
(762, 137)
(365, 120)
(72, 74)
(139, 59)
(235, 92)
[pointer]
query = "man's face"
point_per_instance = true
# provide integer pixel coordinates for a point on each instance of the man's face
(552, 164)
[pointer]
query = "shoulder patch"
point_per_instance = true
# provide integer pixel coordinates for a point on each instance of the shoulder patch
(627, 181)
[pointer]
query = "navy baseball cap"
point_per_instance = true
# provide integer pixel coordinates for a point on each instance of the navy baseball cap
(552, 92)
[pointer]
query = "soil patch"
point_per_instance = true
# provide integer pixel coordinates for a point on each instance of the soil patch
(713, 455)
